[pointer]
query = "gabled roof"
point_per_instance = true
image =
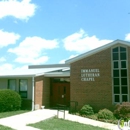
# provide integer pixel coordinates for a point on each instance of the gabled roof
(89, 53)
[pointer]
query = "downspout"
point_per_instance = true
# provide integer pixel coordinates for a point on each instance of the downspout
(33, 93)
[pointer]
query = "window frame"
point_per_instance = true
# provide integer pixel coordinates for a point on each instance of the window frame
(23, 91)
(9, 84)
(120, 62)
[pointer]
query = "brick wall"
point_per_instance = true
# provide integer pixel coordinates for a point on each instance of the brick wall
(97, 93)
(42, 91)
(46, 92)
(38, 91)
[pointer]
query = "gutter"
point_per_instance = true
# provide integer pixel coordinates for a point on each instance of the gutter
(33, 93)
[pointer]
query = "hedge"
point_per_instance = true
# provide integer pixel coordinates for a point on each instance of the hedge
(9, 100)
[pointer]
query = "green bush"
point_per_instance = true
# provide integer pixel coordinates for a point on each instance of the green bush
(94, 116)
(122, 110)
(105, 114)
(9, 100)
(86, 110)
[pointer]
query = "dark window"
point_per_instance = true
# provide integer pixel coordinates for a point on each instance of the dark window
(124, 73)
(116, 81)
(117, 98)
(122, 49)
(123, 64)
(116, 73)
(115, 56)
(116, 64)
(116, 90)
(123, 81)
(120, 81)
(124, 98)
(115, 49)
(123, 56)
(23, 85)
(124, 90)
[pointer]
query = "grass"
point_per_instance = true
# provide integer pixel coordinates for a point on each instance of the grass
(5, 128)
(60, 124)
(12, 113)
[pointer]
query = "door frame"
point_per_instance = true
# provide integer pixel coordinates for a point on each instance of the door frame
(53, 103)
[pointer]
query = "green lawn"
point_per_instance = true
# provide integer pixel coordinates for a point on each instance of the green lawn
(12, 113)
(5, 128)
(60, 124)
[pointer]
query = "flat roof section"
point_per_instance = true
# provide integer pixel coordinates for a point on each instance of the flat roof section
(48, 66)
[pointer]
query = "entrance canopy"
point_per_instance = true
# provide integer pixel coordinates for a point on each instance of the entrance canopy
(59, 70)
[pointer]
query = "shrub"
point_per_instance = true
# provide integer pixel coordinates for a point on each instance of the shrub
(9, 100)
(105, 114)
(86, 110)
(122, 110)
(94, 117)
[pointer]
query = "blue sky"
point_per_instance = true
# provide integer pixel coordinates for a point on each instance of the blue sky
(50, 32)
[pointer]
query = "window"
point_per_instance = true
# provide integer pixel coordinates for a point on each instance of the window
(12, 84)
(120, 72)
(115, 64)
(123, 64)
(23, 85)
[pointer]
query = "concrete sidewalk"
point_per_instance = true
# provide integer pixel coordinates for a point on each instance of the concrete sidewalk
(19, 122)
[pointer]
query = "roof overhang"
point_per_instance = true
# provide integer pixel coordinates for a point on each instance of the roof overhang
(57, 74)
(48, 66)
(18, 76)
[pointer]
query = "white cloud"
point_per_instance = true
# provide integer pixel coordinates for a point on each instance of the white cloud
(81, 42)
(2, 59)
(6, 67)
(39, 60)
(31, 50)
(7, 38)
(19, 9)
(63, 61)
(10, 69)
(127, 37)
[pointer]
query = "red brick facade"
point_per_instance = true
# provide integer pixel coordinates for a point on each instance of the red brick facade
(42, 91)
(97, 93)
(38, 91)
(46, 92)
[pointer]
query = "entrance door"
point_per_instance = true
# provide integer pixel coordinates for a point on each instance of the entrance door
(61, 94)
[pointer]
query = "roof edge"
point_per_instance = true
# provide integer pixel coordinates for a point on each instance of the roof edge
(19, 76)
(101, 48)
(48, 66)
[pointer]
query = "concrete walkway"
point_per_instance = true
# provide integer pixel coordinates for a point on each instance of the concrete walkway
(19, 122)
